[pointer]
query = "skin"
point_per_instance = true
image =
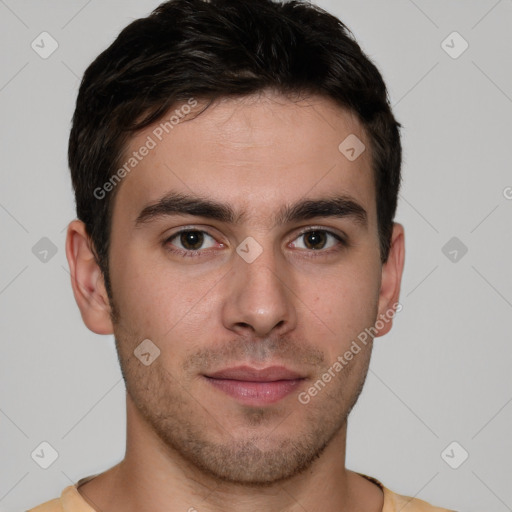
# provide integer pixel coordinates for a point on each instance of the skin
(190, 445)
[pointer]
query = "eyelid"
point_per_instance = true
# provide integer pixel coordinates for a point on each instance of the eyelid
(341, 239)
(329, 230)
(192, 227)
(186, 229)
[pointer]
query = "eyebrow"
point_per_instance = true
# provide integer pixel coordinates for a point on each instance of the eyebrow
(339, 206)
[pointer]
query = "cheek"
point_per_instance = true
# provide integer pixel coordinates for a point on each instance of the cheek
(158, 301)
(346, 302)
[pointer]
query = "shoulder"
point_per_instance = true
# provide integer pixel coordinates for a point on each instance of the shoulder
(69, 501)
(394, 502)
(54, 505)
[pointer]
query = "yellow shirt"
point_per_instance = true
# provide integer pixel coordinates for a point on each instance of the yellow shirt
(72, 501)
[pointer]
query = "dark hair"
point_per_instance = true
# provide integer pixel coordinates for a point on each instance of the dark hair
(222, 48)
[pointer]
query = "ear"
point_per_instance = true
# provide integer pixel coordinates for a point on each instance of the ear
(87, 280)
(390, 281)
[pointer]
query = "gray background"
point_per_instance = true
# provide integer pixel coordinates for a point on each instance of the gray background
(441, 375)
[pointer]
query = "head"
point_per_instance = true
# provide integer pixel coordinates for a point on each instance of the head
(226, 118)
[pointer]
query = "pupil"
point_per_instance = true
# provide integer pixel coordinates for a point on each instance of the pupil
(314, 237)
(191, 239)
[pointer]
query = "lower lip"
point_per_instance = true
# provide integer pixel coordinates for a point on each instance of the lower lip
(256, 393)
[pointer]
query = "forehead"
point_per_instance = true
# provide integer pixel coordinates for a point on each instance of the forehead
(254, 153)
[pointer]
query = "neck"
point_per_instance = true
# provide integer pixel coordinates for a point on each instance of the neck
(155, 477)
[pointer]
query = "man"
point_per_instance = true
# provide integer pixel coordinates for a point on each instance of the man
(236, 167)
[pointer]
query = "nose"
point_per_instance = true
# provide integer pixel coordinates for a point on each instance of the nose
(259, 298)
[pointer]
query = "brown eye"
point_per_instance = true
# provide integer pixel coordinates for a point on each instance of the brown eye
(191, 240)
(317, 240)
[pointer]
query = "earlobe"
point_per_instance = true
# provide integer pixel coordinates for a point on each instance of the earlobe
(87, 280)
(391, 280)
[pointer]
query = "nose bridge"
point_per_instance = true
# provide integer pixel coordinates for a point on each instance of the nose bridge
(261, 275)
(259, 296)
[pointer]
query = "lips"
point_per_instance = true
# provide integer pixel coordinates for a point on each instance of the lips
(253, 386)
(248, 374)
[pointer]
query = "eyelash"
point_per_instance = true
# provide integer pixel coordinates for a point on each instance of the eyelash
(309, 253)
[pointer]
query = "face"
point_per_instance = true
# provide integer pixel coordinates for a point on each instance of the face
(251, 285)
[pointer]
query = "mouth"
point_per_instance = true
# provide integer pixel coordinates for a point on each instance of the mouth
(252, 386)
